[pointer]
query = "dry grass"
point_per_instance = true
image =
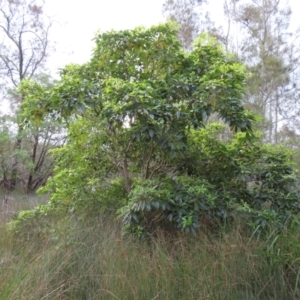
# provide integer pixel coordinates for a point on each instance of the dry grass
(90, 259)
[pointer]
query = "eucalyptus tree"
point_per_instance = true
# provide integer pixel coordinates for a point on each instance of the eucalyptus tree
(271, 51)
(24, 47)
(39, 136)
(25, 39)
(189, 14)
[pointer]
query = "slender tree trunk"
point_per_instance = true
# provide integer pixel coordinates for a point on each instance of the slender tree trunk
(276, 117)
(270, 122)
(33, 159)
(126, 176)
(18, 147)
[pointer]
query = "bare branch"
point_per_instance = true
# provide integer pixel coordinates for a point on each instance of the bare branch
(25, 41)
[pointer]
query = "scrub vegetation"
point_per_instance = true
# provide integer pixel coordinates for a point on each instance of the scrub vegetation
(145, 173)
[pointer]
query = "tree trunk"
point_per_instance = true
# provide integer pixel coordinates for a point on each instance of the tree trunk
(126, 176)
(14, 172)
(33, 159)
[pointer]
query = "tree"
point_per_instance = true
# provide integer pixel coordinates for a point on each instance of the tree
(271, 53)
(189, 15)
(39, 136)
(25, 43)
(150, 91)
(35, 161)
(6, 150)
(139, 142)
(23, 51)
(258, 33)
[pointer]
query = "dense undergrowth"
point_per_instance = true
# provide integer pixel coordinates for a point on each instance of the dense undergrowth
(71, 258)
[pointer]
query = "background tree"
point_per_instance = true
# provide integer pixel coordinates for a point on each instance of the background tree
(271, 52)
(189, 14)
(39, 136)
(25, 43)
(35, 162)
(23, 51)
(6, 150)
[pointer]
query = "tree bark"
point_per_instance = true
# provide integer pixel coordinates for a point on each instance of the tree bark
(126, 176)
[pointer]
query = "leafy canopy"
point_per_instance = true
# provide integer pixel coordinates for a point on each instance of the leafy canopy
(139, 143)
(143, 76)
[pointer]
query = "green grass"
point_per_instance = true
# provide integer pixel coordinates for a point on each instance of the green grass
(91, 259)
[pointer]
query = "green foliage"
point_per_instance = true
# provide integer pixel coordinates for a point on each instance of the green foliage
(179, 201)
(35, 97)
(257, 177)
(31, 163)
(144, 77)
(139, 144)
(226, 180)
(6, 147)
(26, 219)
(82, 181)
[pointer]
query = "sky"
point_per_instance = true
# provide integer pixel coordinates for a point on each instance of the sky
(77, 21)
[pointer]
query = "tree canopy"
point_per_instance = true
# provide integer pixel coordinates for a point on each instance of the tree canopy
(140, 143)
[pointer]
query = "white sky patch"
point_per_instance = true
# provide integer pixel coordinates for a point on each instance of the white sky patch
(78, 21)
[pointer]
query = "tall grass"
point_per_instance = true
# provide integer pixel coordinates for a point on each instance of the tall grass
(69, 258)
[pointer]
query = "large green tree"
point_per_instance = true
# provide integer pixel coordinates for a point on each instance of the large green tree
(138, 142)
(146, 91)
